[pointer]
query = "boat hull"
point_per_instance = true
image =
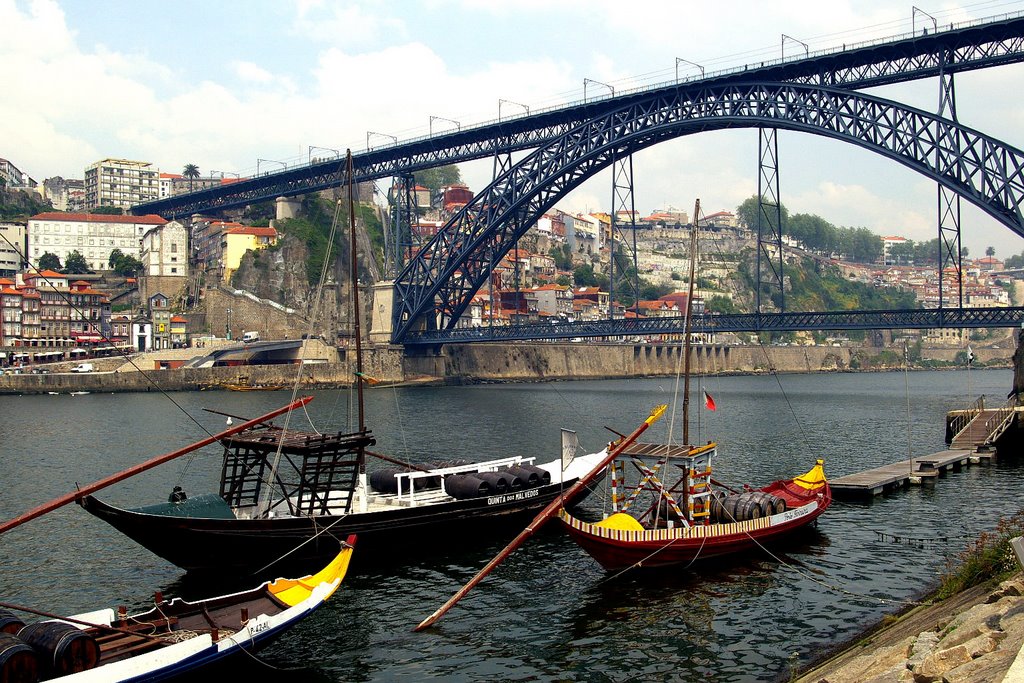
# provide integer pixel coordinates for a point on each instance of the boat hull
(201, 544)
(616, 549)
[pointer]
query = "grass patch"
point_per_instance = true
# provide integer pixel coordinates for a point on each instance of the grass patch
(990, 557)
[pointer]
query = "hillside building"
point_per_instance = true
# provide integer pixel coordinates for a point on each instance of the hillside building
(94, 236)
(121, 182)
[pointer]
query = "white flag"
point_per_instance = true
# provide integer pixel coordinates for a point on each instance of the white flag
(570, 444)
(970, 355)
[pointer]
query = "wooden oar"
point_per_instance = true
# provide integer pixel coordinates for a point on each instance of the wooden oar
(149, 464)
(543, 516)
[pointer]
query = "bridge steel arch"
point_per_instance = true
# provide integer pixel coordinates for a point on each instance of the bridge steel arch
(436, 287)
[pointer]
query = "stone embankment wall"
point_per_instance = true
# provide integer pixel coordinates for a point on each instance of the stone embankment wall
(467, 363)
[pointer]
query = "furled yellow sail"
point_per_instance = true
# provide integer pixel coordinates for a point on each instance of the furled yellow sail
(815, 478)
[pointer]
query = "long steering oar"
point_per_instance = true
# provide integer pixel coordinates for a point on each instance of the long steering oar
(142, 467)
(543, 516)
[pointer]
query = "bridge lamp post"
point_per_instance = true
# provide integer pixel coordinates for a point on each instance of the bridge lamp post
(272, 161)
(501, 102)
(394, 138)
(458, 126)
(591, 80)
(686, 61)
(914, 11)
(337, 153)
(224, 173)
(807, 50)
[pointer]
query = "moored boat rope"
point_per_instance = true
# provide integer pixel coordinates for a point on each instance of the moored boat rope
(315, 535)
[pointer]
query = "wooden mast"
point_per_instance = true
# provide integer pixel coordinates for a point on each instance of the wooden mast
(132, 471)
(354, 273)
(543, 516)
(686, 325)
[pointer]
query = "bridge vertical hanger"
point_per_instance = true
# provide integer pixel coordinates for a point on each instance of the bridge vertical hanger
(948, 200)
(403, 236)
(622, 201)
(769, 217)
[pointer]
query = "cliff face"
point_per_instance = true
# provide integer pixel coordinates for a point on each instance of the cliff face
(278, 274)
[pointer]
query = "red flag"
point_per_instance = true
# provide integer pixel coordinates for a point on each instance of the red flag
(709, 402)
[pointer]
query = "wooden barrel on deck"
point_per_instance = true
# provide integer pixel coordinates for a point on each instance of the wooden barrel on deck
(10, 622)
(18, 661)
(462, 486)
(62, 648)
(501, 482)
(529, 478)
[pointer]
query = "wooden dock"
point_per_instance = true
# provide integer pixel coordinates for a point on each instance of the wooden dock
(920, 470)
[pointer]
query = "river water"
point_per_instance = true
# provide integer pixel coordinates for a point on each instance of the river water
(549, 613)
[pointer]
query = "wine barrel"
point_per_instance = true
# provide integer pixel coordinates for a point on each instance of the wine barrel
(18, 662)
(543, 474)
(529, 478)
(463, 486)
(10, 622)
(383, 481)
(501, 482)
(62, 648)
(778, 505)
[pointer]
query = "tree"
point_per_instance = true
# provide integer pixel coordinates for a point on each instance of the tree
(124, 264)
(49, 261)
(584, 276)
(990, 251)
(191, 171)
(75, 263)
(107, 210)
(436, 178)
(746, 213)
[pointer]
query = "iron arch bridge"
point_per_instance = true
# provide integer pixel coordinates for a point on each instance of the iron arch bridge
(436, 287)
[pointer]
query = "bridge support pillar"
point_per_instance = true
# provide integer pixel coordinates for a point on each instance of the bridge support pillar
(287, 207)
(383, 310)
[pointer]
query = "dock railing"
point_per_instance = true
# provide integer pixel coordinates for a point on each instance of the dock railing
(1001, 420)
(963, 419)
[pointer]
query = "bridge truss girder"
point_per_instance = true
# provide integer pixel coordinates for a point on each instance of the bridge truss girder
(438, 284)
(911, 58)
(740, 322)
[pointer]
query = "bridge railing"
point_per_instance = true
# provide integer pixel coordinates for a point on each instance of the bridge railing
(1000, 421)
(963, 419)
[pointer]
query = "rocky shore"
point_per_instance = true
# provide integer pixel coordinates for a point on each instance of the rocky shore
(972, 637)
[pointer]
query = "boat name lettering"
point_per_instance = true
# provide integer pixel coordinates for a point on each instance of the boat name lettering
(509, 497)
(260, 628)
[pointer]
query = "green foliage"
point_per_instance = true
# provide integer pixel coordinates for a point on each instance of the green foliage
(821, 287)
(720, 304)
(990, 557)
(562, 256)
(49, 261)
(21, 205)
(107, 210)
(746, 214)
(191, 171)
(75, 263)
(124, 264)
(855, 244)
(438, 177)
(650, 291)
(563, 281)
(584, 275)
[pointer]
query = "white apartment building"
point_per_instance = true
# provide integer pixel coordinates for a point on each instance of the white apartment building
(94, 236)
(164, 251)
(121, 182)
(12, 249)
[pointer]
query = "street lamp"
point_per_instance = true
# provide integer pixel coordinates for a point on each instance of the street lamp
(337, 153)
(273, 161)
(458, 126)
(686, 61)
(394, 138)
(227, 326)
(224, 173)
(914, 11)
(500, 102)
(807, 51)
(591, 80)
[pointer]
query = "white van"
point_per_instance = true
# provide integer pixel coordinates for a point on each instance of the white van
(82, 367)
(250, 337)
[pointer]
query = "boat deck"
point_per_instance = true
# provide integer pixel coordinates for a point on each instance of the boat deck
(920, 470)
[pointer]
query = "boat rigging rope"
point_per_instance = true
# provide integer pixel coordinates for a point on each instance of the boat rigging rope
(317, 532)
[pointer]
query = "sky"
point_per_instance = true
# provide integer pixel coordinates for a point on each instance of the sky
(232, 86)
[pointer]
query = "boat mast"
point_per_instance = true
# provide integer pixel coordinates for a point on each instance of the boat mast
(686, 326)
(353, 268)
